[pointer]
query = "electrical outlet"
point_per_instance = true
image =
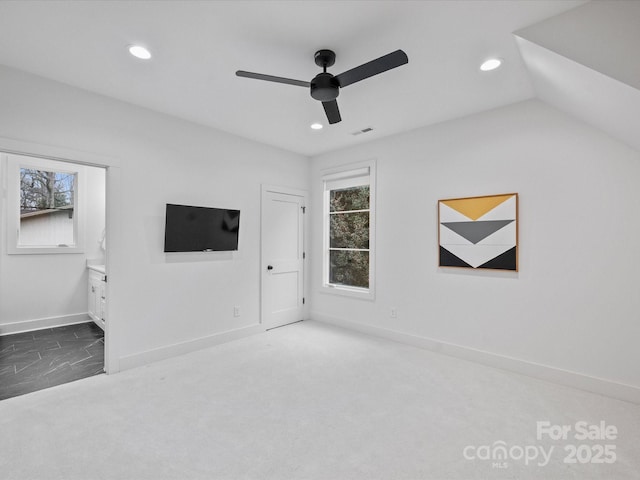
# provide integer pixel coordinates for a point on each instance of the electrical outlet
(236, 311)
(394, 313)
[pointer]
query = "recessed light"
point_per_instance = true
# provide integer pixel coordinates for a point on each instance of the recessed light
(316, 126)
(139, 51)
(490, 64)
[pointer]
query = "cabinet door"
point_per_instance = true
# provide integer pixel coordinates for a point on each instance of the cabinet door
(101, 300)
(92, 297)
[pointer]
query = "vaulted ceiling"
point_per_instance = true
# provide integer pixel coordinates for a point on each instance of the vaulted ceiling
(586, 63)
(197, 47)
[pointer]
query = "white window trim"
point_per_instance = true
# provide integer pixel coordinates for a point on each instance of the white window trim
(13, 165)
(335, 176)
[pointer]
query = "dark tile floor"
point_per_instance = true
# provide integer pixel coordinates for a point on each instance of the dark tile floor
(35, 360)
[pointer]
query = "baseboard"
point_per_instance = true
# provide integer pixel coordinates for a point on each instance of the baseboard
(40, 323)
(157, 354)
(597, 385)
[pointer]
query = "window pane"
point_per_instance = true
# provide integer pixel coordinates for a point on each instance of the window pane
(349, 268)
(349, 230)
(46, 207)
(354, 198)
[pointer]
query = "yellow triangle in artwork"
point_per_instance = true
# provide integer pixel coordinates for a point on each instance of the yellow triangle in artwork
(476, 207)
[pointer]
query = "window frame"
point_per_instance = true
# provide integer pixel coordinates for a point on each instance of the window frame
(345, 177)
(14, 163)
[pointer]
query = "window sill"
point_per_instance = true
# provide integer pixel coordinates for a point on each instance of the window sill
(44, 250)
(353, 292)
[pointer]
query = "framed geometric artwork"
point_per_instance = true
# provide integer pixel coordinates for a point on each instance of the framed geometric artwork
(479, 232)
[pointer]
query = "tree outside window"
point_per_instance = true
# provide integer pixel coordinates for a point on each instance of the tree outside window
(42, 190)
(349, 236)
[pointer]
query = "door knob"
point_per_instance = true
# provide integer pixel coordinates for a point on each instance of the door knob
(269, 267)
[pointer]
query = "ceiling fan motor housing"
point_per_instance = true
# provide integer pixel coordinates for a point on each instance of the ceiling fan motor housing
(325, 87)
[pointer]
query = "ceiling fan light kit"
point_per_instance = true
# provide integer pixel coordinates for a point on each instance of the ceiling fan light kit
(325, 87)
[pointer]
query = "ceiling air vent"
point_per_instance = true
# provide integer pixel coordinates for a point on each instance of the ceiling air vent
(360, 132)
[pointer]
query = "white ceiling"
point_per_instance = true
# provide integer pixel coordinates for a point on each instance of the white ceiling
(198, 45)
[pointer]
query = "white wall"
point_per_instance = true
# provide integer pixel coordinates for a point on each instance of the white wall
(573, 305)
(44, 290)
(156, 301)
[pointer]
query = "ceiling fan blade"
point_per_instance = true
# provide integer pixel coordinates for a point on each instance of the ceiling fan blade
(271, 78)
(331, 109)
(374, 67)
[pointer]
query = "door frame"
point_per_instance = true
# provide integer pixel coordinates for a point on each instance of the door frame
(112, 224)
(266, 189)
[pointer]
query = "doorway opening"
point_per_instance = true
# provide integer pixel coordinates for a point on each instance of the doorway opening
(52, 317)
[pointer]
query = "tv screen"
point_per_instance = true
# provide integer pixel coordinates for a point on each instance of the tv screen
(200, 229)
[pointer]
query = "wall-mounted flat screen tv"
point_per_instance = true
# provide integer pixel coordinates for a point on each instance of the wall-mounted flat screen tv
(200, 229)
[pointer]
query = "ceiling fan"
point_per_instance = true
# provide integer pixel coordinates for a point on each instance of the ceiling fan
(325, 87)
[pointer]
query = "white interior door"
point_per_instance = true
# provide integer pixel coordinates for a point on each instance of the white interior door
(282, 258)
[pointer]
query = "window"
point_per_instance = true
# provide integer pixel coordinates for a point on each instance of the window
(349, 203)
(43, 209)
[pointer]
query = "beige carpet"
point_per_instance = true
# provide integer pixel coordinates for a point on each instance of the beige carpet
(308, 401)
